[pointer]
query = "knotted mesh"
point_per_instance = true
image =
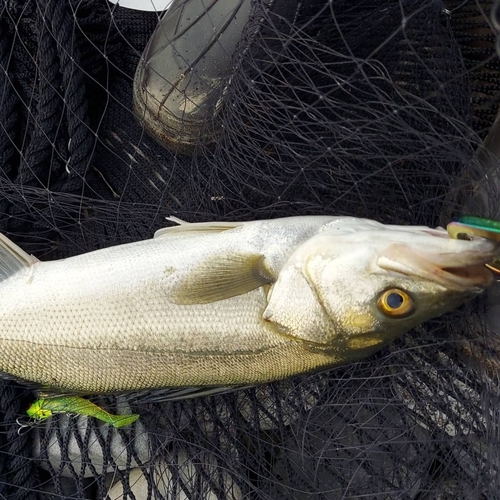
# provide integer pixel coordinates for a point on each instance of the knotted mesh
(367, 108)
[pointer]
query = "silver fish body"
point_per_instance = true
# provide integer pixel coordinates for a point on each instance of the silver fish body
(224, 304)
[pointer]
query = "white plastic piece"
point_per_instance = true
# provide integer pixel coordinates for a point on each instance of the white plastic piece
(145, 5)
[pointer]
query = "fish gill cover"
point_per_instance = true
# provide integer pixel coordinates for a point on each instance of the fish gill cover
(366, 108)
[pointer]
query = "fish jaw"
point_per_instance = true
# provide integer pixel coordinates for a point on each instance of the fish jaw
(461, 270)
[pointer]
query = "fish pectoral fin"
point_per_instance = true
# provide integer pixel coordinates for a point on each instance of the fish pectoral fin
(221, 277)
(13, 258)
(195, 227)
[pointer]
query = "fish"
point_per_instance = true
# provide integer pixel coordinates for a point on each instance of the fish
(227, 304)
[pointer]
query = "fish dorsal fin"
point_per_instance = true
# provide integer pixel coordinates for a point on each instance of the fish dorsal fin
(221, 277)
(13, 258)
(195, 227)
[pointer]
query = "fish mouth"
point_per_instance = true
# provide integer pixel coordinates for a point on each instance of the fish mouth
(462, 271)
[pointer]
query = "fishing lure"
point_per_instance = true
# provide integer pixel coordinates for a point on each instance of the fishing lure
(468, 225)
(44, 408)
(475, 226)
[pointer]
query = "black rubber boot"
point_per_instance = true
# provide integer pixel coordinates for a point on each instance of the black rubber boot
(188, 63)
(184, 70)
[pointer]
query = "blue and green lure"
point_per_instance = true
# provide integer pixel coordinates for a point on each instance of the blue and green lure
(474, 226)
(467, 226)
(44, 408)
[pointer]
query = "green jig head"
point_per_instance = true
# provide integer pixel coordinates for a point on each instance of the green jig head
(466, 226)
(474, 226)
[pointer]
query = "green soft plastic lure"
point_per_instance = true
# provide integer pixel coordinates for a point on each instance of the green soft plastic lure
(468, 225)
(44, 408)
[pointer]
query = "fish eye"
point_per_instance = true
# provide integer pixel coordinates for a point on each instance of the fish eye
(395, 303)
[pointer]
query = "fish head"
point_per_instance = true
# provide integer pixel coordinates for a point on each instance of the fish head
(356, 289)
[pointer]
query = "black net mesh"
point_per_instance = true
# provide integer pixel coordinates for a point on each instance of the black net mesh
(367, 108)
